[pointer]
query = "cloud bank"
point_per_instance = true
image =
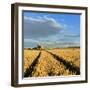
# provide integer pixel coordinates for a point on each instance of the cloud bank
(40, 27)
(50, 33)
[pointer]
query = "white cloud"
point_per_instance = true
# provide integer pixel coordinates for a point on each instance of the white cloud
(33, 19)
(44, 19)
(72, 35)
(41, 27)
(30, 40)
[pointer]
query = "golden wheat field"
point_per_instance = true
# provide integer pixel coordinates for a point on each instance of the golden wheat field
(52, 62)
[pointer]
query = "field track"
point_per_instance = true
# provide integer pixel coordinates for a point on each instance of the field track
(68, 66)
(31, 67)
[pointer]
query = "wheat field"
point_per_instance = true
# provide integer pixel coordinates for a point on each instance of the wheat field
(51, 62)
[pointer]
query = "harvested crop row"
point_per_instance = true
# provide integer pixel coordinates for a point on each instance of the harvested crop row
(70, 54)
(48, 66)
(72, 67)
(29, 57)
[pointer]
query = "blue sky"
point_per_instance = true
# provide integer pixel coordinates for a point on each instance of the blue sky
(51, 30)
